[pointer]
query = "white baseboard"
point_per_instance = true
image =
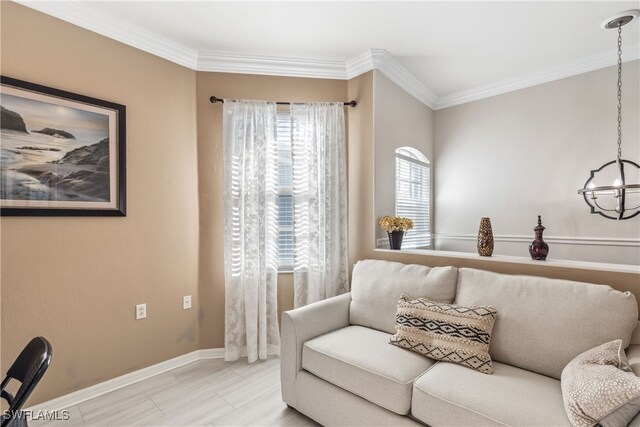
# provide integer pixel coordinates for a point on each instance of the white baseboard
(210, 353)
(99, 389)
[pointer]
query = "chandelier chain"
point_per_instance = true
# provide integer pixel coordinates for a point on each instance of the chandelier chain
(619, 90)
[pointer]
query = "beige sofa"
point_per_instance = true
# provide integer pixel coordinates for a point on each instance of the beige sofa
(338, 368)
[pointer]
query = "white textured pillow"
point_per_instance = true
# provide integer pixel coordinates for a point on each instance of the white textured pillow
(598, 387)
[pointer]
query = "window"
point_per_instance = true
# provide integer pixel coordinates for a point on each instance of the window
(413, 195)
(285, 192)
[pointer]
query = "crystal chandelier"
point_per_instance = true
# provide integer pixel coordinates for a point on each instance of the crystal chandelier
(619, 199)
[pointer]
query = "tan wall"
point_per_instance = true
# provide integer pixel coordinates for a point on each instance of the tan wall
(76, 280)
(210, 166)
(360, 169)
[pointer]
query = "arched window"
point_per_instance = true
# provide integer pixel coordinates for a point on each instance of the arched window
(413, 193)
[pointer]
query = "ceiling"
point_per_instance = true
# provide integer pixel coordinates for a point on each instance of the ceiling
(445, 52)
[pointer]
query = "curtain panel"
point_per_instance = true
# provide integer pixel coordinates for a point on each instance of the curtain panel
(250, 229)
(319, 202)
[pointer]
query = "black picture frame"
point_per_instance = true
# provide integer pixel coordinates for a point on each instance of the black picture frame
(115, 114)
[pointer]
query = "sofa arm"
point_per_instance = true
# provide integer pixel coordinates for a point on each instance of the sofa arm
(633, 355)
(299, 326)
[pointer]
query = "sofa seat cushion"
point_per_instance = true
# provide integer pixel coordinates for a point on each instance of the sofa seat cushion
(360, 360)
(452, 395)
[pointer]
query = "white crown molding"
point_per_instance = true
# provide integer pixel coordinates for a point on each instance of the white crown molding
(75, 13)
(591, 63)
(390, 67)
(359, 64)
(270, 65)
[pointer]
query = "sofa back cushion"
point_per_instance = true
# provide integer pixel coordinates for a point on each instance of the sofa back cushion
(377, 285)
(635, 336)
(542, 323)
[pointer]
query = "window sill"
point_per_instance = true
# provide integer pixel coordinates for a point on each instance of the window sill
(582, 265)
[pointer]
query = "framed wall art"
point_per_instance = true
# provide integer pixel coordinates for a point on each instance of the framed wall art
(61, 154)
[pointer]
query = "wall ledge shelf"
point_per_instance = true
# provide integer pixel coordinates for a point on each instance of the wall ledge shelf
(551, 263)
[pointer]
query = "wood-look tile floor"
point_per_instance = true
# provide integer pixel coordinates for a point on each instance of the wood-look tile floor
(204, 393)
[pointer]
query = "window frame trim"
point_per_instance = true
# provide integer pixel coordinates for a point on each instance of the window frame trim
(427, 165)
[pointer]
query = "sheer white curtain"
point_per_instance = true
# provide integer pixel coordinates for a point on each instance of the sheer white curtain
(250, 229)
(319, 202)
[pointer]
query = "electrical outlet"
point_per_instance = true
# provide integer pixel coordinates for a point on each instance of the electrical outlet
(141, 311)
(186, 302)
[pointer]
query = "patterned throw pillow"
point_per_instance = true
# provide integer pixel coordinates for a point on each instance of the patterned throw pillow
(598, 387)
(447, 332)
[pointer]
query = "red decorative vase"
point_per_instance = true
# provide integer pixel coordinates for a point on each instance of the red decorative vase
(538, 249)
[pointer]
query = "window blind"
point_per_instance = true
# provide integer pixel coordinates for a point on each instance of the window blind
(285, 192)
(413, 198)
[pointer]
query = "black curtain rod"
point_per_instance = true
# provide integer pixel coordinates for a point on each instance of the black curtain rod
(215, 99)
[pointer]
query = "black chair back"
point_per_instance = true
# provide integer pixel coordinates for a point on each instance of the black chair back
(28, 368)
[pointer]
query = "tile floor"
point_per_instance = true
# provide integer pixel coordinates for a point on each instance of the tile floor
(204, 393)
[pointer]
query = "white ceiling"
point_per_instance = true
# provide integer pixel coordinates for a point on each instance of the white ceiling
(453, 48)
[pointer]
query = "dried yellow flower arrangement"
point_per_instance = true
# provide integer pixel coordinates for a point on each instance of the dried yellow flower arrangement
(395, 223)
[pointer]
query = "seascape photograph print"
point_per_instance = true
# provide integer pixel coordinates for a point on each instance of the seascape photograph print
(52, 154)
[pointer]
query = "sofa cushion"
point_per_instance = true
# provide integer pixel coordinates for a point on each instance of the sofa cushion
(539, 316)
(330, 405)
(635, 335)
(447, 332)
(360, 360)
(452, 395)
(633, 356)
(599, 387)
(377, 285)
